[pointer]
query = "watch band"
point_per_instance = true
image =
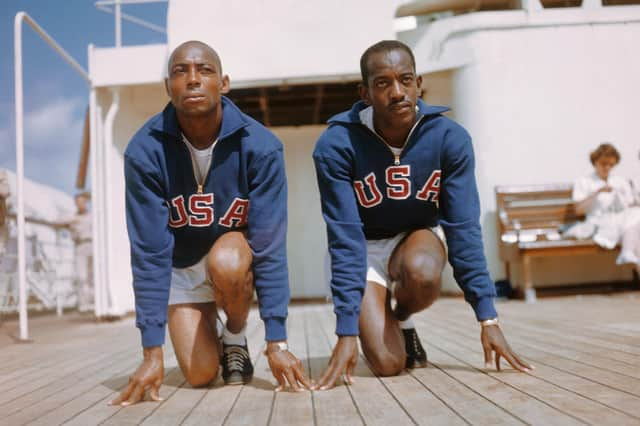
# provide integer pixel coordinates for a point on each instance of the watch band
(280, 346)
(491, 321)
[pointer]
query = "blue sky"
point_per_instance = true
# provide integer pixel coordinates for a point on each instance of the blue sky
(55, 95)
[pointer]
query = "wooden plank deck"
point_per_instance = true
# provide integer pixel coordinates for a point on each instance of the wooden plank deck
(586, 350)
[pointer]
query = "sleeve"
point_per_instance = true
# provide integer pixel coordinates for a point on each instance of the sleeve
(460, 208)
(347, 245)
(580, 190)
(151, 250)
(625, 192)
(267, 236)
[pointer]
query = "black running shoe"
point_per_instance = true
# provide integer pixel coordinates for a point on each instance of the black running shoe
(416, 355)
(236, 364)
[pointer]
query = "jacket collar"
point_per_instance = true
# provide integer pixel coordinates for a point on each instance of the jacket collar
(232, 120)
(352, 116)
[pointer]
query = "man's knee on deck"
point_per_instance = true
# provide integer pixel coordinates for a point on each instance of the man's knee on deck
(385, 364)
(202, 375)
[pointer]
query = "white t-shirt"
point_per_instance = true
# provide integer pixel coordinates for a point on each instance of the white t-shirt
(201, 159)
(615, 201)
(366, 118)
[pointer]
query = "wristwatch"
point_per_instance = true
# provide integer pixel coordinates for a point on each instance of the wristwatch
(491, 321)
(279, 347)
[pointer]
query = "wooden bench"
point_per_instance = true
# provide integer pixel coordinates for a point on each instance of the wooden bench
(530, 218)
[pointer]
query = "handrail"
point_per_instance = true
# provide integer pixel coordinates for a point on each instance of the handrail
(54, 225)
(119, 15)
(19, 111)
(134, 20)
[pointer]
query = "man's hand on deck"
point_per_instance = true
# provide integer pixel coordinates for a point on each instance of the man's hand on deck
(286, 368)
(147, 377)
(494, 341)
(343, 360)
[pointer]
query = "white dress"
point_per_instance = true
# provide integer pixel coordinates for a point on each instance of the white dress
(611, 213)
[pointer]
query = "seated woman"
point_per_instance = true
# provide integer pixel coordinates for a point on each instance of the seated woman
(610, 206)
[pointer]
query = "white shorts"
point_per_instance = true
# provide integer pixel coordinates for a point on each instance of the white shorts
(191, 285)
(379, 252)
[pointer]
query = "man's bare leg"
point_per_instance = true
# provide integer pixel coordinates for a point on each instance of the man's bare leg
(416, 268)
(380, 335)
(195, 342)
(229, 264)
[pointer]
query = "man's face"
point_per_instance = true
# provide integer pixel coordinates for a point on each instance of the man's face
(81, 203)
(392, 88)
(195, 83)
(604, 165)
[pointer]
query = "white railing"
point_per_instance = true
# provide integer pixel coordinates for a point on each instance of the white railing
(19, 111)
(104, 5)
(49, 267)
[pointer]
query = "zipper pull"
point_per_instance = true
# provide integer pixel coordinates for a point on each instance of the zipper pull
(396, 160)
(199, 189)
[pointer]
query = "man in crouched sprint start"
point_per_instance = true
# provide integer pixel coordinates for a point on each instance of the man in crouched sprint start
(398, 194)
(206, 202)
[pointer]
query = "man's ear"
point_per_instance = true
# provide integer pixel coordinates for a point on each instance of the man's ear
(364, 93)
(419, 84)
(166, 86)
(225, 85)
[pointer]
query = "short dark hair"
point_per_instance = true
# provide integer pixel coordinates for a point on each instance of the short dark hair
(604, 150)
(202, 44)
(382, 46)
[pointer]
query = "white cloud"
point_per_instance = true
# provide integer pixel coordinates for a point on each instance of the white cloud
(55, 124)
(52, 135)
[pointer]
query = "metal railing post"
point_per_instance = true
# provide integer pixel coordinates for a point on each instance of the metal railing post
(118, 23)
(19, 111)
(22, 270)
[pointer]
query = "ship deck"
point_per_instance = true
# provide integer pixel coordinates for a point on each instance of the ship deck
(586, 350)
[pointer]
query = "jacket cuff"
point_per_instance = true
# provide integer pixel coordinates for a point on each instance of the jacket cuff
(275, 328)
(152, 335)
(484, 308)
(347, 324)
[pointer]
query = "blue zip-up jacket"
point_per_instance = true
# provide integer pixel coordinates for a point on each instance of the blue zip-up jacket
(170, 224)
(369, 193)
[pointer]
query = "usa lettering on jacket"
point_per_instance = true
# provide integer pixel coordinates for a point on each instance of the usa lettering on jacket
(198, 211)
(397, 187)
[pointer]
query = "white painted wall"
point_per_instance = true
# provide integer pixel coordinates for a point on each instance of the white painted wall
(283, 39)
(137, 105)
(306, 237)
(537, 99)
(128, 65)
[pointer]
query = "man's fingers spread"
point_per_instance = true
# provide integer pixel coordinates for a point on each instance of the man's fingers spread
(282, 383)
(302, 378)
(331, 381)
(348, 379)
(488, 356)
(292, 380)
(123, 395)
(524, 364)
(136, 396)
(509, 357)
(154, 394)
(325, 377)
(349, 373)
